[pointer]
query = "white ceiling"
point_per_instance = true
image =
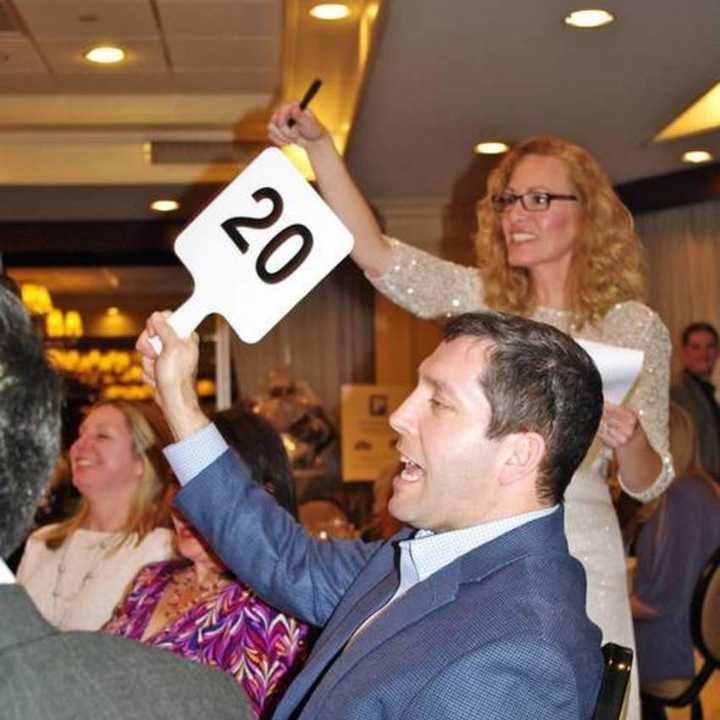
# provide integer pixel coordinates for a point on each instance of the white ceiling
(198, 72)
(444, 74)
(202, 46)
(449, 73)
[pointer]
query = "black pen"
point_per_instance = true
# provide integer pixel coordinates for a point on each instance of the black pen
(307, 97)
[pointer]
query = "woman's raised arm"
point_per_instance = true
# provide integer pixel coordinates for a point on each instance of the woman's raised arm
(372, 251)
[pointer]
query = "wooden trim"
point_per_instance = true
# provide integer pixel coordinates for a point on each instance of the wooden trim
(48, 244)
(684, 187)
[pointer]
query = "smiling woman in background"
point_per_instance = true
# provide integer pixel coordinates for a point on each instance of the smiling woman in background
(196, 609)
(555, 244)
(77, 571)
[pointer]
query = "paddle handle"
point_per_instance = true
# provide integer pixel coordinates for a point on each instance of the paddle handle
(183, 321)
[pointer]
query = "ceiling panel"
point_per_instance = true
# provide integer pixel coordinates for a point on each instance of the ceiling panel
(442, 81)
(209, 18)
(222, 52)
(194, 81)
(96, 19)
(18, 56)
(198, 71)
(89, 113)
(229, 79)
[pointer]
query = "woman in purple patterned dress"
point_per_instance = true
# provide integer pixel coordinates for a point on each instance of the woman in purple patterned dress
(195, 608)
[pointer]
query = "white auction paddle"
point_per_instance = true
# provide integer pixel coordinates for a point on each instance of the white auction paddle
(257, 249)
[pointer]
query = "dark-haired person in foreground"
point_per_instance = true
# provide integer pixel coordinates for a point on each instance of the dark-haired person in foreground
(76, 675)
(479, 611)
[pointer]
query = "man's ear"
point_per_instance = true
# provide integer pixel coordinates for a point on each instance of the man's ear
(525, 453)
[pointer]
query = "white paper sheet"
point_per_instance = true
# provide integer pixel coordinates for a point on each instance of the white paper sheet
(619, 367)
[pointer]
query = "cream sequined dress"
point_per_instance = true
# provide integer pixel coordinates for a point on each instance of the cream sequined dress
(430, 288)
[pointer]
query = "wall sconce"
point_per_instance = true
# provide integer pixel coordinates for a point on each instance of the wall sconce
(54, 324)
(36, 298)
(73, 324)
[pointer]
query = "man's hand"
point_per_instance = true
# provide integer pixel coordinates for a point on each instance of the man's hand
(172, 374)
(306, 130)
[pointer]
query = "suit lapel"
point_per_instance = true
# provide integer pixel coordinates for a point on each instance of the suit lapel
(364, 599)
(335, 660)
(372, 589)
(439, 589)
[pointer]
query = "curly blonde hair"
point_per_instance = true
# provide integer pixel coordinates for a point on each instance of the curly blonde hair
(149, 434)
(607, 262)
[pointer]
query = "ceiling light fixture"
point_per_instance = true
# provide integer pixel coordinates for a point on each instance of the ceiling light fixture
(491, 147)
(164, 205)
(589, 18)
(696, 156)
(105, 55)
(330, 11)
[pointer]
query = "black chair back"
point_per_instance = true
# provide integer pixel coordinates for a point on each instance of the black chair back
(705, 611)
(705, 628)
(618, 662)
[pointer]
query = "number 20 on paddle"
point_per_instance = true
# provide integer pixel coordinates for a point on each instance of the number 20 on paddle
(257, 249)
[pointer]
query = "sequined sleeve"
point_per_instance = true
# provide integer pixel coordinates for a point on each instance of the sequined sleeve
(635, 325)
(428, 286)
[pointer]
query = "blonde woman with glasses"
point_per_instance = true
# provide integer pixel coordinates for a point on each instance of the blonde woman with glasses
(555, 244)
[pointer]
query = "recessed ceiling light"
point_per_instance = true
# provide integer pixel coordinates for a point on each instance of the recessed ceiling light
(589, 18)
(105, 55)
(112, 311)
(697, 156)
(330, 11)
(493, 147)
(165, 205)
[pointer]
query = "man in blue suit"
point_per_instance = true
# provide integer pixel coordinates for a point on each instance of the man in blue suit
(476, 610)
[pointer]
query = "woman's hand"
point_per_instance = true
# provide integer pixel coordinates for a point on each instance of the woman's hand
(371, 252)
(620, 429)
(618, 425)
(306, 130)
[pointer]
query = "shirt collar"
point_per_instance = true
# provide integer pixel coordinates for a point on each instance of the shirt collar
(704, 382)
(6, 576)
(429, 552)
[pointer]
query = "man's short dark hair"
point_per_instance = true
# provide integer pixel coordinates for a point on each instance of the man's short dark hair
(698, 327)
(539, 380)
(30, 399)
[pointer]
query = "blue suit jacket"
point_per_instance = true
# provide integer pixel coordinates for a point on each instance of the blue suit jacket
(499, 633)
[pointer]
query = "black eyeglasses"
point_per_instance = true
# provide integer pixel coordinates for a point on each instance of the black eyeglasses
(533, 201)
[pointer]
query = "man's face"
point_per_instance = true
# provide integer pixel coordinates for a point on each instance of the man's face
(448, 478)
(700, 353)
